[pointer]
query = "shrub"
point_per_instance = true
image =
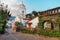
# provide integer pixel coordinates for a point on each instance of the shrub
(28, 31)
(52, 33)
(17, 23)
(0, 29)
(18, 26)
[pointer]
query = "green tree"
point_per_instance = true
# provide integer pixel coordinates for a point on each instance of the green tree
(29, 15)
(35, 13)
(40, 22)
(4, 16)
(17, 23)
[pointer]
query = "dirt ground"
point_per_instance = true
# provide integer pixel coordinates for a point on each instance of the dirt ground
(22, 36)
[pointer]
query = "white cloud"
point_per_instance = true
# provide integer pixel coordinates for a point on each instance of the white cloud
(9, 2)
(13, 6)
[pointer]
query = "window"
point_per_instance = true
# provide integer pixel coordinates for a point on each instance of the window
(50, 12)
(55, 11)
(59, 10)
(22, 11)
(47, 25)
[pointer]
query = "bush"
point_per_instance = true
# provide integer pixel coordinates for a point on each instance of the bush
(0, 29)
(17, 23)
(28, 31)
(52, 33)
(18, 26)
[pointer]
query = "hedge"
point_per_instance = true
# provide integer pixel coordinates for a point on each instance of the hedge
(51, 33)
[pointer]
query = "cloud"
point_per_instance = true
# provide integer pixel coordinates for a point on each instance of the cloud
(9, 2)
(13, 6)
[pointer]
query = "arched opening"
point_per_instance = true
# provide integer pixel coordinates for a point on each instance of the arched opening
(47, 24)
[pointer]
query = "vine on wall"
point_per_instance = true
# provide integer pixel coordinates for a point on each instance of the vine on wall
(40, 22)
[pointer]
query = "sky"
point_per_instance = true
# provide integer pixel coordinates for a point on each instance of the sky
(38, 5)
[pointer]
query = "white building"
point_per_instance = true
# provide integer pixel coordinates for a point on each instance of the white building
(34, 23)
(19, 13)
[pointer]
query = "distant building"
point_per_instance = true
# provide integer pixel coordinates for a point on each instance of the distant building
(20, 13)
(50, 11)
(49, 18)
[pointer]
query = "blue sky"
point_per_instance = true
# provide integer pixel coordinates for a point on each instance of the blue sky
(40, 5)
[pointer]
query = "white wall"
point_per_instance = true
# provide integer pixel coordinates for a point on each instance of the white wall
(34, 22)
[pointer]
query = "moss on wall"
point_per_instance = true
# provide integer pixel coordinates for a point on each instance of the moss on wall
(55, 23)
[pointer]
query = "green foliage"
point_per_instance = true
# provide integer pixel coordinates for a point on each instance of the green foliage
(19, 26)
(24, 30)
(4, 15)
(51, 33)
(40, 22)
(0, 28)
(58, 21)
(29, 15)
(35, 13)
(17, 23)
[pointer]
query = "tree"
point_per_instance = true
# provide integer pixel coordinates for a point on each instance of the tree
(29, 15)
(35, 13)
(4, 15)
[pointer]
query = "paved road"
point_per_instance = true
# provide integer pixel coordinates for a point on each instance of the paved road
(21, 36)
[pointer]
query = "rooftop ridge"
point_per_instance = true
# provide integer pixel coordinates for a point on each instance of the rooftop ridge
(51, 9)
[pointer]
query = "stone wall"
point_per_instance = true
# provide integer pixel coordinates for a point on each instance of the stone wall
(51, 15)
(51, 18)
